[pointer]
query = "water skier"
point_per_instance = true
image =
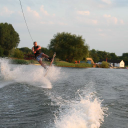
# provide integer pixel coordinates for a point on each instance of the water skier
(39, 55)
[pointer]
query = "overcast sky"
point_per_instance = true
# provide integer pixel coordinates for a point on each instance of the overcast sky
(102, 23)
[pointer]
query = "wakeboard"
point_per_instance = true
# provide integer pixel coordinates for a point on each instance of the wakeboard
(50, 65)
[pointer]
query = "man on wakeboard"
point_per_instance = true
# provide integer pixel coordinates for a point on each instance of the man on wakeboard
(39, 55)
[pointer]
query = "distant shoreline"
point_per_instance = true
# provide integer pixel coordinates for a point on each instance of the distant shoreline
(58, 64)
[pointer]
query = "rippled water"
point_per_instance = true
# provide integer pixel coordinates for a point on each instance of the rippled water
(66, 98)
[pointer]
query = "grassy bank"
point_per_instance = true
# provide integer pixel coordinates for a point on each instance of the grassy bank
(57, 63)
(67, 64)
(22, 61)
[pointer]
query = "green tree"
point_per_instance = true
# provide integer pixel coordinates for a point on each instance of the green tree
(26, 50)
(102, 55)
(9, 38)
(113, 56)
(45, 50)
(93, 54)
(18, 54)
(105, 64)
(125, 56)
(69, 47)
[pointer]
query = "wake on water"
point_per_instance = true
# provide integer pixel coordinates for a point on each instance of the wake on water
(85, 111)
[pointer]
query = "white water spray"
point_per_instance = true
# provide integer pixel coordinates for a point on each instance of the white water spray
(87, 112)
(29, 74)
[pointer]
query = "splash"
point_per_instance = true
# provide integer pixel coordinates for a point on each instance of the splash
(29, 74)
(85, 113)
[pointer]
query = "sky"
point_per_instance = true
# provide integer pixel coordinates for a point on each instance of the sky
(102, 23)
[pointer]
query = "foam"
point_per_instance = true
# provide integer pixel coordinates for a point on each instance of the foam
(85, 113)
(30, 74)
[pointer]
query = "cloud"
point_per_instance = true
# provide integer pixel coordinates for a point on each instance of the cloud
(121, 22)
(110, 19)
(94, 21)
(104, 4)
(42, 17)
(107, 16)
(34, 13)
(115, 20)
(102, 34)
(43, 11)
(49, 22)
(107, 1)
(5, 11)
(53, 23)
(100, 30)
(87, 21)
(62, 23)
(83, 12)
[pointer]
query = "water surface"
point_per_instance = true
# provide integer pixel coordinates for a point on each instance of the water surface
(66, 98)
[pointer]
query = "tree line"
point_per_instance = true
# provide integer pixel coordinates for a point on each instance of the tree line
(94, 54)
(103, 55)
(68, 47)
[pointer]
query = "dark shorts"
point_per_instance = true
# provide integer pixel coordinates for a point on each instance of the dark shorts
(39, 57)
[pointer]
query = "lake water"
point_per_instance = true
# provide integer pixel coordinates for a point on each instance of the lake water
(65, 98)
